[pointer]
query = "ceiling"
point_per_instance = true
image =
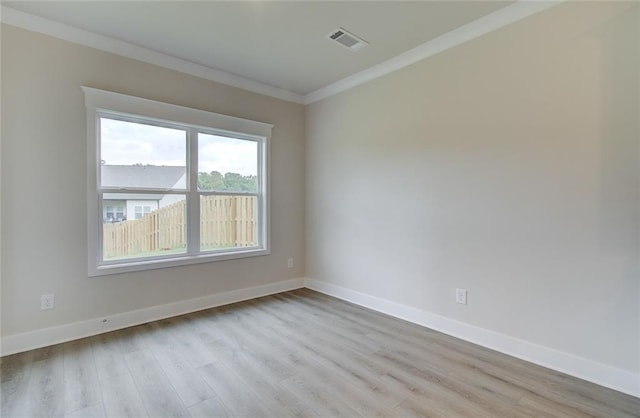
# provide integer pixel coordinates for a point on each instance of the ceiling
(280, 44)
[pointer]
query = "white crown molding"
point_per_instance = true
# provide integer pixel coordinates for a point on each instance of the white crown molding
(17, 343)
(583, 368)
(489, 23)
(33, 23)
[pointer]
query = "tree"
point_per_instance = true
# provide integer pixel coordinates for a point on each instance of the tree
(229, 182)
(238, 182)
(211, 181)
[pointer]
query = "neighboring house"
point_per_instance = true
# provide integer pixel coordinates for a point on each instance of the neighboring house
(119, 207)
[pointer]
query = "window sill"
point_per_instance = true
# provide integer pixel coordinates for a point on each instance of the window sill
(141, 265)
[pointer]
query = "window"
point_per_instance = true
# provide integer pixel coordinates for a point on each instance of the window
(113, 213)
(140, 211)
(170, 185)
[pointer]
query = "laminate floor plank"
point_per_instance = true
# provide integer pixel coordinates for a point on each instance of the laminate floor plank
(238, 399)
(543, 384)
(365, 381)
(319, 398)
(321, 322)
(186, 381)
(482, 383)
(432, 405)
(293, 354)
(81, 383)
(108, 354)
(470, 375)
(508, 366)
(312, 310)
(431, 387)
(340, 386)
(15, 373)
(202, 325)
(267, 360)
(343, 363)
(276, 400)
(46, 388)
(156, 335)
(210, 408)
(251, 339)
(93, 411)
(283, 316)
(275, 335)
(312, 340)
(194, 350)
(540, 407)
(121, 398)
(158, 395)
(367, 318)
(52, 352)
(130, 339)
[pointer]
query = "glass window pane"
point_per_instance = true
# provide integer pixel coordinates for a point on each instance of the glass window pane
(227, 164)
(139, 155)
(228, 222)
(162, 231)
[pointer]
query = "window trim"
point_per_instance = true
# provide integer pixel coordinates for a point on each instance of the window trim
(142, 211)
(103, 102)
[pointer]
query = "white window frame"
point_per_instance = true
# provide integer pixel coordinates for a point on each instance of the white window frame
(114, 210)
(101, 102)
(142, 212)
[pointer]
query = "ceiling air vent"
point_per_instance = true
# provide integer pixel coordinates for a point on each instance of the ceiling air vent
(347, 39)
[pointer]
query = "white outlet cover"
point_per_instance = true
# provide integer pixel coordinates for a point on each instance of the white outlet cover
(461, 296)
(47, 301)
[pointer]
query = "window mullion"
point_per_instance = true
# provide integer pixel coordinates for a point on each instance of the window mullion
(262, 194)
(193, 199)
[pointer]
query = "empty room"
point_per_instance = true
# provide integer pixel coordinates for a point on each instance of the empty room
(320, 209)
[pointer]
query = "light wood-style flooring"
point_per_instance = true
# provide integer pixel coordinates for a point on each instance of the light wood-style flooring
(298, 353)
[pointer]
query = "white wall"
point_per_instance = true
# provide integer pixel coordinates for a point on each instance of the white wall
(507, 166)
(43, 160)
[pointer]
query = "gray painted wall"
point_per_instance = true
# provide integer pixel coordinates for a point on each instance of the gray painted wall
(507, 166)
(43, 160)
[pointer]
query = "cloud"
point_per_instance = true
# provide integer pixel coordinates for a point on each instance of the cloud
(227, 155)
(128, 143)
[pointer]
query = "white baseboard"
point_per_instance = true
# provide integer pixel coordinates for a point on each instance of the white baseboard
(601, 374)
(598, 373)
(44, 337)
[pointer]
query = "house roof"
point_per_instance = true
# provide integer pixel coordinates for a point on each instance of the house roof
(145, 176)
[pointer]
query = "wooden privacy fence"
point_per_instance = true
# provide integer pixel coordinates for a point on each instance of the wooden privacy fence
(228, 221)
(225, 221)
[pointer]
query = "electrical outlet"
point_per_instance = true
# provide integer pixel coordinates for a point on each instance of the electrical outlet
(461, 296)
(290, 263)
(47, 301)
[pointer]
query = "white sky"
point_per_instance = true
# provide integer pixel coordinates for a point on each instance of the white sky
(127, 143)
